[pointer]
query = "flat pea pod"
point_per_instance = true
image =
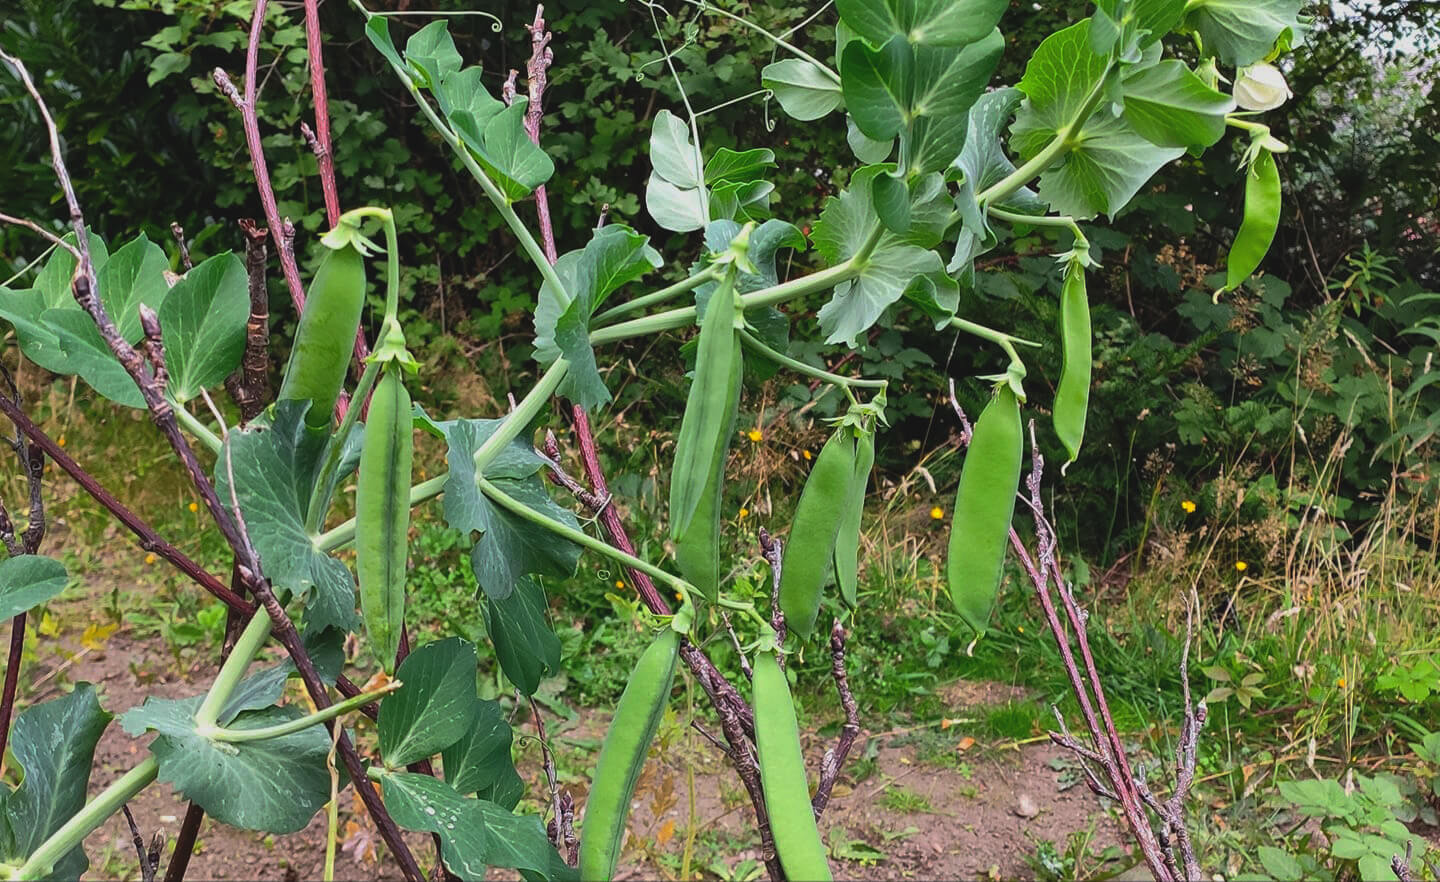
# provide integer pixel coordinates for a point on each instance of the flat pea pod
(782, 775)
(637, 716)
(847, 539)
(1072, 396)
(984, 506)
(1262, 217)
(810, 549)
(325, 336)
(697, 474)
(382, 514)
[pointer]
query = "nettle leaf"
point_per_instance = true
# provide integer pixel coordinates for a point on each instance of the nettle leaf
(674, 195)
(203, 322)
(54, 744)
(24, 309)
(922, 22)
(435, 706)
(1172, 107)
(898, 261)
(920, 93)
(480, 761)
(1109, 160)
(275, 785)
(28, 580)
(805, 90)
(274, 467)
(508, 546)
(474, 833)
(519, 627)
(615, 256)
(1242, 32)
(431, 53)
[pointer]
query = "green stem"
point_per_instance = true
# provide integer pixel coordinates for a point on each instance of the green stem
(808, 370)
(1039, 220)
(239, 736)
(1063, 141)
(320, 493)
(202, 433)
(664, 294)
(581, 538)
(508, 430)
(257, 630)
(999, 338)
(41, 862)
(788, 47)
(392, 253)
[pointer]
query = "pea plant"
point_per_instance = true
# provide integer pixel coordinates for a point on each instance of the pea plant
(944, 163)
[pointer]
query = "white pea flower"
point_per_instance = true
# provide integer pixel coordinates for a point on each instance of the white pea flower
(1261, 87)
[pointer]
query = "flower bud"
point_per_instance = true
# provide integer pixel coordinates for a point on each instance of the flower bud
(1261, 87)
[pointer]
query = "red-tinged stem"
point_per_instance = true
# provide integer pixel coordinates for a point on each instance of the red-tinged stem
(12, 678)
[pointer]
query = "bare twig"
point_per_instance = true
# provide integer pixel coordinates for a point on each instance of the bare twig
(149, 858)
(179, 233)
(774, 551)
(184, 843)
(1400, 864)
(250, 384)
(835, 757)
(557, 832)
(315, 53)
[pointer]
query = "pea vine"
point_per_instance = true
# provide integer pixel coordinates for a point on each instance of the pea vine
(944, 163)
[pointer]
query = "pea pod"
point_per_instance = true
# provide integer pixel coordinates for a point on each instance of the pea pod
(697, 475)
(637, 716)
(382, 514)
(325, 336)
(1262, 217)
(811, 546)
(984, 505)
(847, 539)
(1072, 396)
(782, 775)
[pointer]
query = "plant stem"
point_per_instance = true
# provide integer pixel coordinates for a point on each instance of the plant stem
(73, 832)
(1049, 153)
(999, 338)
(246, 647)
(792, 49)
(1039, 220)
(664, 294)
(280, 730)
(581, 538)
(320, 493)
(197, 429)
(808, 370)
(508, 430)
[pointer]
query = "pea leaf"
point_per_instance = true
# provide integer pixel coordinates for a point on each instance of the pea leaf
(519, 626)
(1172, 107)
(28, 580)
(675, 193)
(1242, 32)
(1108, 166)
(922, 22)
(431, 53)
(517, 163)
(480, 761)
(615, 256)
(434, 707)
(766, 242)
(1148, 20)
(275, 785)
(738, 165)
(981, 164)
(508, 546)
(805, 91)
(24, 309)
(474, 833)
(673, 208)
(54, 744)
(1061, 74)
(133, 275)
(898, 261)
(274, 467)
(203, 324)
(87, 354)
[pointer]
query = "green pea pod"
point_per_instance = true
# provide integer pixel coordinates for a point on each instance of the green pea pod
(984, 505)
(325, 337)
(697, 475)
(782, 775)
(1262, 217)
(847, 539)
(382, 514)
(637, 716)
(811, 546)
(1072, 396)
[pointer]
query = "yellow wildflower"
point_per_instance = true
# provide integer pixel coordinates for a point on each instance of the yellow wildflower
(61, 441)
(619, 583)
(1241, 566)
(1188, 506)
(755, 435)
(194, 507)
(151, 558)
(1340, 682)
(806, 454)
(744, 512)
(937, 513)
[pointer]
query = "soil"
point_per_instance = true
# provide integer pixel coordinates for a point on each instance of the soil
(976, 813)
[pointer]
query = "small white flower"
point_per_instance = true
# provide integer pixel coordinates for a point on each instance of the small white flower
(1261, 87)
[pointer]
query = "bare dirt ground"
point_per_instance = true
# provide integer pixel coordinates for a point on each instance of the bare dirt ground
(975, 815)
